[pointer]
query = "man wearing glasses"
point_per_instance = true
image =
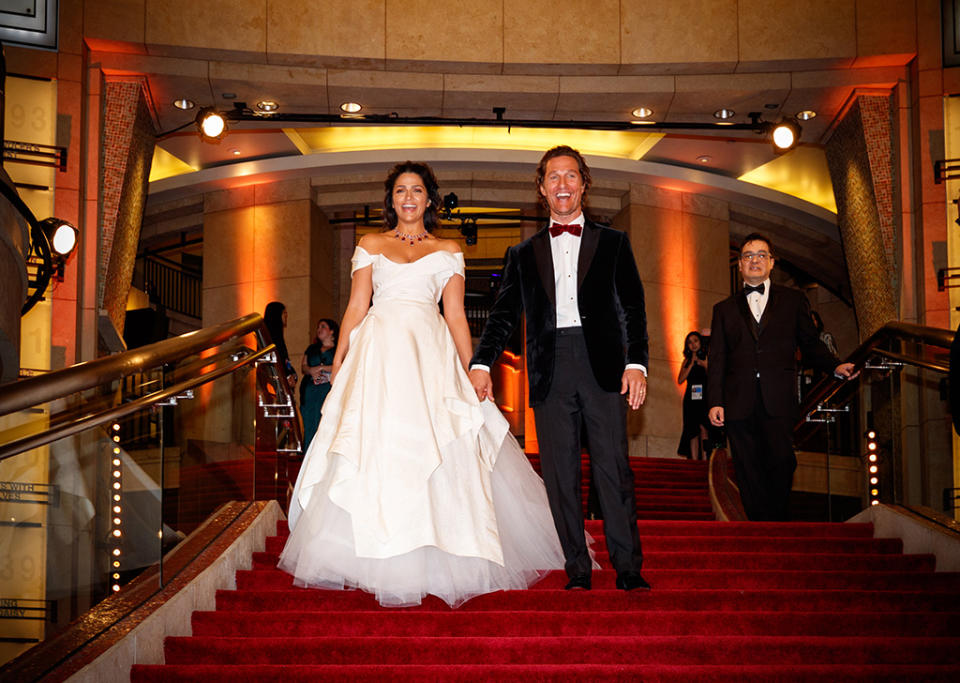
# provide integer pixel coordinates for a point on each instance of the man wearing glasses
(752, 378)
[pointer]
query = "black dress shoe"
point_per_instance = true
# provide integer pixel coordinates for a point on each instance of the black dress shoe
(581, 582)
(631, 581)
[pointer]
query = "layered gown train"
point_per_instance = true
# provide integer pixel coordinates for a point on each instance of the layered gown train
(411, 485)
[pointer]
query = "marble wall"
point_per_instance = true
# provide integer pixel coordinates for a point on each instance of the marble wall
(682, 243)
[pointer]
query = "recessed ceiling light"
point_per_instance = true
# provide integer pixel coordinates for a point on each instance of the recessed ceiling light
(642, 112)
(724, 113)
(235, 152)
(806, 114)
(229, 95)
(704, 158)
(184, 103)
(771, 105)
(267, 105)
(350, 107)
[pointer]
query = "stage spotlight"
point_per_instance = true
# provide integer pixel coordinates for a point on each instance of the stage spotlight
(211, 124)
(785, 136)
(450, 202)
(61, 235)
(468, 228)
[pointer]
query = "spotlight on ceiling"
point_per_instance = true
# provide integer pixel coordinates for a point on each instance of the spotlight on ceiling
(642, 113)
(211, 124)
(184, 103)
(61, 235)
(468, 228)
(784, 135)
(267, 106)
(350, 107)
(806, 115)
(723, 114)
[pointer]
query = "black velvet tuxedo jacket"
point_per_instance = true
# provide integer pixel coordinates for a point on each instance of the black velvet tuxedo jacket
(740, 349)
(609, 296)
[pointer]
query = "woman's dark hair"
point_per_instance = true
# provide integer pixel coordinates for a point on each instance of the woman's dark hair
(686, 340)
(334, 327)
(431, 219)
(273, 319)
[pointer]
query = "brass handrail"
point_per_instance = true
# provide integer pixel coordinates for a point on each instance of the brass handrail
(893, 330)
(41, 389)
(50, 386)
(13, 448)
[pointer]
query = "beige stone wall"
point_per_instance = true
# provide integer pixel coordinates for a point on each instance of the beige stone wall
(614, 36)
(681, 242)
(267, 243)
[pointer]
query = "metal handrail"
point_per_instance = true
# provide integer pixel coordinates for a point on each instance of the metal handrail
(894, 330)
(41, 389)
(44, 388)
(13, 448)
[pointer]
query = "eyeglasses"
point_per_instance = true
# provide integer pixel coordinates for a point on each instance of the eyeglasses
(754, 256)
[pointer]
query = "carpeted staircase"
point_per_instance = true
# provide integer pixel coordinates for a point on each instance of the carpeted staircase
(730, 602)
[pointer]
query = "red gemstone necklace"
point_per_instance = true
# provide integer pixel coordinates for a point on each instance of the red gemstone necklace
(411, 239)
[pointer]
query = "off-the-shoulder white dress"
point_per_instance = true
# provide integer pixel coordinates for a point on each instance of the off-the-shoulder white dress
(411, 486)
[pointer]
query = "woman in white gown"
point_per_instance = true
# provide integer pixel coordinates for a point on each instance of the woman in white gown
(411, 486)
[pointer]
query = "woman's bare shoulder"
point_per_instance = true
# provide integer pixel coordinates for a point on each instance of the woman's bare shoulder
(373, 242)
(453, 246)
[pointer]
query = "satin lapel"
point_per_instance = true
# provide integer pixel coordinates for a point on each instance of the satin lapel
(767, 314)
(747, 315)
(544, 259)
(588, 247)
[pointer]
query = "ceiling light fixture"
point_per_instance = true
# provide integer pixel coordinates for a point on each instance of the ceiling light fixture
(350, 107)
(267, 106)
(184, 103)
(211, 124)
(806, 115)
(704, 158)
(784, 135)
(723, 114)
(229, 95)
(642, 112)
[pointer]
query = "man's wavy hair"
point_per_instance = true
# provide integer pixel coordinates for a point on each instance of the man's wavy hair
(431, 219)
(564, 151)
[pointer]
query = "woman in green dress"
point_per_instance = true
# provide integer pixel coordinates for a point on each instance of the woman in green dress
(317, 361)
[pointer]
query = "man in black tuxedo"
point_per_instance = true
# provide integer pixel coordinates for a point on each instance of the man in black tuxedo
(752, 378)
(586, 339)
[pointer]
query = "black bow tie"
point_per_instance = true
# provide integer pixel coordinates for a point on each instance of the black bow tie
(753, 288)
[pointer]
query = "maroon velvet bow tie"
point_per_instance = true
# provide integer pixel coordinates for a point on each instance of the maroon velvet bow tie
(557, 229)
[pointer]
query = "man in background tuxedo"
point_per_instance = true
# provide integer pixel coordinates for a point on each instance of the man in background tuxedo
(573, 281)
(752, 378)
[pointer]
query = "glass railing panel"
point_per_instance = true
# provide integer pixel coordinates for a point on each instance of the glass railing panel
(208, 439)
(99, 488)
(917, 467)
(80, 519)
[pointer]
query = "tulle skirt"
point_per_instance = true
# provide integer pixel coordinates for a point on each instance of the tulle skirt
(412, 486)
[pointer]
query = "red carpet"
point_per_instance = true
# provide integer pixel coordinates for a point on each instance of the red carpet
(730, 602)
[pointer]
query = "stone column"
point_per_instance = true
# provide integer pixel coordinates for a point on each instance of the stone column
(859, 155)
(681, 242)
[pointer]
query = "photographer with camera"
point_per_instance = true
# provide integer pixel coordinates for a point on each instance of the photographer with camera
(693, 371)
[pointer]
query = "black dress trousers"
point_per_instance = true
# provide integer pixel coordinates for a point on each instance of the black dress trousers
(576, 396)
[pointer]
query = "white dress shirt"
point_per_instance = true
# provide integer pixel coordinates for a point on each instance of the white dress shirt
(566, 250)
(757, 301)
